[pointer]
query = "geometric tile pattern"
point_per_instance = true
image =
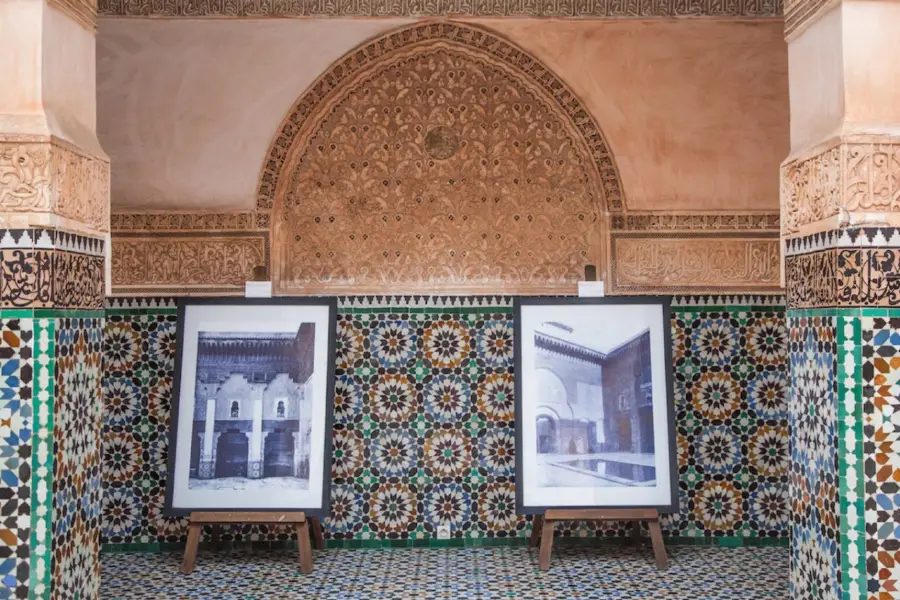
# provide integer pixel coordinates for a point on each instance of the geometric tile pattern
(603, 573)
(730, 385)
(76, 448)
(16, 431)
(139, 365)
(813, 409)
(881, 406)
(423, 425)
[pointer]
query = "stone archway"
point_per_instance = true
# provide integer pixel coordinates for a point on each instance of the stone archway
(438, 158)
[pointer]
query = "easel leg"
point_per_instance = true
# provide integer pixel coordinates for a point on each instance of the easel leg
(190, 551)
(546, 545)
(636, 533)
(659, 548)
(536, 530)
(318, 536)
(306, 565)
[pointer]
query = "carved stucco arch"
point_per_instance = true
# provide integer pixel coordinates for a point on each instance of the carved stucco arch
(291, 174)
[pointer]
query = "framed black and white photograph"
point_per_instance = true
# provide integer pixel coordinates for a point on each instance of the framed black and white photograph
(252, 406)
(594, 412)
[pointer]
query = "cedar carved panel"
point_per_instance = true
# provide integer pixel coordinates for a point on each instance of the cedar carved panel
(438, 167)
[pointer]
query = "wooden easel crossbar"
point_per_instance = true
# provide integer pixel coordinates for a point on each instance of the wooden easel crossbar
(298, 520)
(543, 529)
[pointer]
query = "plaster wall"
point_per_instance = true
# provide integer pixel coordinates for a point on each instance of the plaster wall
(843, 77)
(48, 62)
(696, 113)
(871, 76)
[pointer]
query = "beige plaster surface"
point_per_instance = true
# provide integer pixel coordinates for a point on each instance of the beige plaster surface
(187, 109)
(844, 74)
(695, 112)
(871, 40)
(816, 65)
(48, 68)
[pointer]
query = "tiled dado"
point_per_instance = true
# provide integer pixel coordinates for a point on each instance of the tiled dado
(44, 268)
(845, 370)
(878, 374)
(851, 267)
(49, 452)
(731, 377)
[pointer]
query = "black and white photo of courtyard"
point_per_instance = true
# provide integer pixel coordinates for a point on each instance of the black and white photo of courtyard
(252, 410)
(594, 407)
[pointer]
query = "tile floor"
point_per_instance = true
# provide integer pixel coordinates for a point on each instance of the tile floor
(696, 573)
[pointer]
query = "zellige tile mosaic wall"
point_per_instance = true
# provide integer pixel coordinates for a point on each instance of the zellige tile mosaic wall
(879, 362)
(50, 419)
(424, 431)
(17, 378)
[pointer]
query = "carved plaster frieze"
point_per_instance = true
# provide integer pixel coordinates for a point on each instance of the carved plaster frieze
(202, 221)
(47, 177)
(696, 222)
(643, 263)
(187, 262)
(529, 79)
(594, 9)
(83, 12)
(832, 187)
(377, 183)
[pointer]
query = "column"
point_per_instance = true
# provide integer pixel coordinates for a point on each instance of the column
(254, 468)
(54, 231)
(208, 455)
(840, 209)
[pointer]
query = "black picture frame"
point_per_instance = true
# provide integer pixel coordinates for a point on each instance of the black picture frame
(183, 303)
(665, 303)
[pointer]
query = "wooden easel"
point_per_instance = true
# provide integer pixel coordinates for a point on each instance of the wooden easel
(543, 529)
(216, 519)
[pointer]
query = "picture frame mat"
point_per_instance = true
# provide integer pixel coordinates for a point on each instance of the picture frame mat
(315, 501)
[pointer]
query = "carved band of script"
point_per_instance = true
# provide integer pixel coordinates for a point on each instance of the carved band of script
(173, 263)
(647, 264)
(859, 177)
(844, 277)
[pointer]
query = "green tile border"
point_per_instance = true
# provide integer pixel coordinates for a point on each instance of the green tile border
(42, 458)
(722, 542)
(16, 313)
(62, 313)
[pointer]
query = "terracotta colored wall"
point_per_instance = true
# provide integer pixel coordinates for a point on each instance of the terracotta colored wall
(696, 112)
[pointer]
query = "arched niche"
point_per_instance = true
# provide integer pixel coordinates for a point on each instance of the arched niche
(438, 158)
